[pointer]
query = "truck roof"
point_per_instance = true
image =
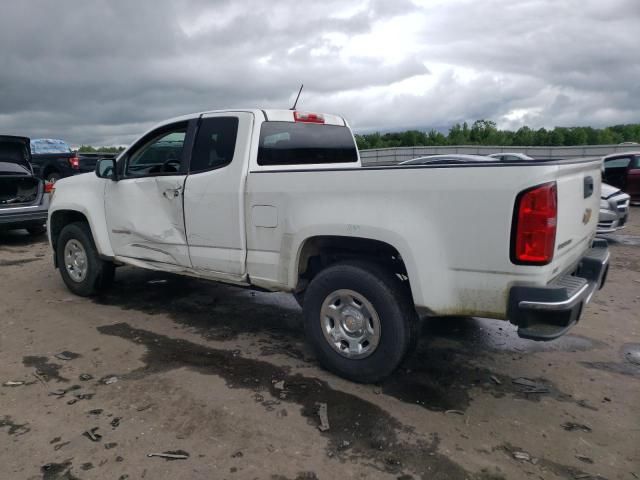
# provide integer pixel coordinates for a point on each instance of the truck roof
(277, 115)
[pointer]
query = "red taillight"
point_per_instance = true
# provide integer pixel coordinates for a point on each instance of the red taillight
(534, 225)
(74, 162)
(308, 117)
(49, 187)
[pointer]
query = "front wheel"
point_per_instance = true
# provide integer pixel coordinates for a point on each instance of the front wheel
(360, 320)
(81, 267)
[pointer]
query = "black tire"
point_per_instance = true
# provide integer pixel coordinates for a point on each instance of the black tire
(392, 303)
(299, 297)
(53, 177)
(37, 230)
(99, 274)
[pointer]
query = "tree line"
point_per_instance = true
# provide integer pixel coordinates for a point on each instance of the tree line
(485, 132)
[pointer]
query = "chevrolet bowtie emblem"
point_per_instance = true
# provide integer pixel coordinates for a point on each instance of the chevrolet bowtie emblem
(586, 216)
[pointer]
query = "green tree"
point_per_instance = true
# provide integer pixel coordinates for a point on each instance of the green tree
(556, 137)
(523, 137)
(541, 137)
(483, 132)
(576, 136)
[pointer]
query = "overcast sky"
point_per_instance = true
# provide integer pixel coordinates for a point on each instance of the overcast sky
(101, 72)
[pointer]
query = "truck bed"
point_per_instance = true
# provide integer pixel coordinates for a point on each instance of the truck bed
(453, 219)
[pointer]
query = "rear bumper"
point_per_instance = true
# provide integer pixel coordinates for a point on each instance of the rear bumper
(19, 217)
(545, 313)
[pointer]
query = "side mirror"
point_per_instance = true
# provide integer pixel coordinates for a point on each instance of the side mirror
(106, 168)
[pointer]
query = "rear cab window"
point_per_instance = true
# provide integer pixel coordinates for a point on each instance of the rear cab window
(300, 143)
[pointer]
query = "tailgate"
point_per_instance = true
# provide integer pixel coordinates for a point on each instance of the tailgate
(578, 208)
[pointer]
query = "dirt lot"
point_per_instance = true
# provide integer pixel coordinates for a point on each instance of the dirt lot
(224, 375)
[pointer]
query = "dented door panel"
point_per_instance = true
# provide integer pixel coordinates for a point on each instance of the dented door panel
(145, 219)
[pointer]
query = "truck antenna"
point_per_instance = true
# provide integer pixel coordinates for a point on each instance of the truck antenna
(299, 92)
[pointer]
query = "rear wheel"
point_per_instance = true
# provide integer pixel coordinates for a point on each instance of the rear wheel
(81, 267)
(53, 177)
(360, 320)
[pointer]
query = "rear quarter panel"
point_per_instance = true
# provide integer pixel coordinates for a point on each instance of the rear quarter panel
(452, 226)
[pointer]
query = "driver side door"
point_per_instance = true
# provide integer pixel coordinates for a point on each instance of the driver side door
(144, 206)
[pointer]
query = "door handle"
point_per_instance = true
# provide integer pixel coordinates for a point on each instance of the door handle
(172, 193)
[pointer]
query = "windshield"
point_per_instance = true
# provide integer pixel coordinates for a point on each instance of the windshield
(49, 145)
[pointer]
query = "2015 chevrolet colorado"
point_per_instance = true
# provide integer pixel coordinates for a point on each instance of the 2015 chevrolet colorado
(278, 200)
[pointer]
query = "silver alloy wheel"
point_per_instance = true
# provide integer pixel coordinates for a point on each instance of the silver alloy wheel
(75, 260)
(350, 324)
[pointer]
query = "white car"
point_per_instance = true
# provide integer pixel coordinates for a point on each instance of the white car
(446, 158)
(614, 209)
(511, 156)
(278, 200)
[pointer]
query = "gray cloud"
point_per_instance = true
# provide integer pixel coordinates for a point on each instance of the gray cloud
(101, 72)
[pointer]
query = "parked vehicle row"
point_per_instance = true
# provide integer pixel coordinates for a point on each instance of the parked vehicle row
(24, 198)
(614, 203)
(278, 200)
(54, 159)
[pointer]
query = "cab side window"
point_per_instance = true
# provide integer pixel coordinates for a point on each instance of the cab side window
(159, 153)
(215, 144)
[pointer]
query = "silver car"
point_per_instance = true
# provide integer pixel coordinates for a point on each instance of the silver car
(511, 156)
(447, 158)
(614, 209)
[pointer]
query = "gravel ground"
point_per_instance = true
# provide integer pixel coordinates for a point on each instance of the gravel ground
(222, 376)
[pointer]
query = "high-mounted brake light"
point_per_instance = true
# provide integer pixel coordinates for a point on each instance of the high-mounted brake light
(49, 187)
(74, 162)
(308, 117)
(534, 225)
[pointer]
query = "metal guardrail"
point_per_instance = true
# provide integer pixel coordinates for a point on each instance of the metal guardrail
(392, 156)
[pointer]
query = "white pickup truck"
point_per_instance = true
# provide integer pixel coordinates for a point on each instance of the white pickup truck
(278, 200)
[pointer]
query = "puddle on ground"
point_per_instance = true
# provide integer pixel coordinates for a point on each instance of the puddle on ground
(20, 261)
(213, 310)
(58, 471)
(438, 377)
(477, 335)
(629, 364)
(441, 379)
(360, 429)
(45, 369)
(12, 427)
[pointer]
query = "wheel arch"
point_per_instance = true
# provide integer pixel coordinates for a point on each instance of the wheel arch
(319, 251)
(47, 169)
(58, 219)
